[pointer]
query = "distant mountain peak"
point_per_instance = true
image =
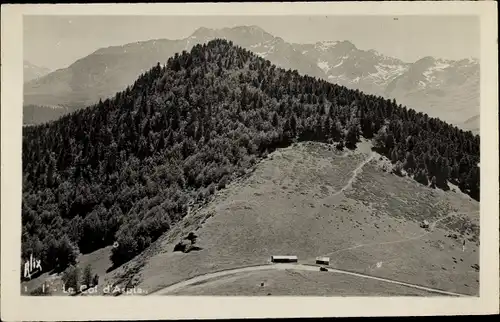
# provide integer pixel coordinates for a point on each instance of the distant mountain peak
(251, 28)
(422, 64)
(325, 45)
(251, 31)
(341, 46)
(469, 61)
(425, 60)
(32, 71)
(27, 63)
(374, 52)
(346, 44)
(202, 29)
(202, 32)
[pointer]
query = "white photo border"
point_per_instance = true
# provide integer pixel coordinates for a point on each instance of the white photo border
(17, 307)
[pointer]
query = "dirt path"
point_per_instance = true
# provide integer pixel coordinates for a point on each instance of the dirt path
(355, 174)
(319, 202)
(349, 183)
(296, 267)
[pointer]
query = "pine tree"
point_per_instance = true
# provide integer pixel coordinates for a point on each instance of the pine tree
(352, 136)
(366, 127)
(87, 278)
(275, 121)
(421, 177)
(389, 142)
(379, 140)
(71, 278)
(398, 167)
(394, 155)
(327, 127)
(409, 162)
(336, 132)
(66, 252)
(433, 182)
(293, 125)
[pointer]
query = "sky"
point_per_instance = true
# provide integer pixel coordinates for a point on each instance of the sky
(58, 41)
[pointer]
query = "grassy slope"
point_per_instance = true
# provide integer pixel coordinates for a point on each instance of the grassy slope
(288, 205)
(304, 283)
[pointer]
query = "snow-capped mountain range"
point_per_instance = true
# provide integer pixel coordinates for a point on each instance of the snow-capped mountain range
(441, 88)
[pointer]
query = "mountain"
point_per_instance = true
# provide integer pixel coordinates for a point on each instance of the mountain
(35, 114)
(472, 124)
(253, 38)
(445, 89)
(98, 75)
(440, 88)
(31, 71)
(126, 169)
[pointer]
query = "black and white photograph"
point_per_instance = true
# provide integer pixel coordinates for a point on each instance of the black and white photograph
(251, 155)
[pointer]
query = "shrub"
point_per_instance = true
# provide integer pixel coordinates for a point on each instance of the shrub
(222, 183)
(211, 189)
(181, 246)
(421, 177)
(398, 169)
(187, 244)
(192, 237)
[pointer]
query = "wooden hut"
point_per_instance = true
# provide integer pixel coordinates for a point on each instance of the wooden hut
(323, 260)
(284, 259)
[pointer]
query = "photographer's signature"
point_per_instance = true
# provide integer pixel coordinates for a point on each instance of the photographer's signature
(31, 266)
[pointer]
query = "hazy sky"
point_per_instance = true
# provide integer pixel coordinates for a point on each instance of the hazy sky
(57, 41)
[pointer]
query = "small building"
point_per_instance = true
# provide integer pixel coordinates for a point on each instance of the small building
(323, 260)
(284, 259)
(424, 224)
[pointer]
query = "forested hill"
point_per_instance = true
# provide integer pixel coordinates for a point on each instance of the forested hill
(125, 169)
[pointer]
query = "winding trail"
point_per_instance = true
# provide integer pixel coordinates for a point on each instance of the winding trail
(296, 267)
(355, 174)
(349, 183)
